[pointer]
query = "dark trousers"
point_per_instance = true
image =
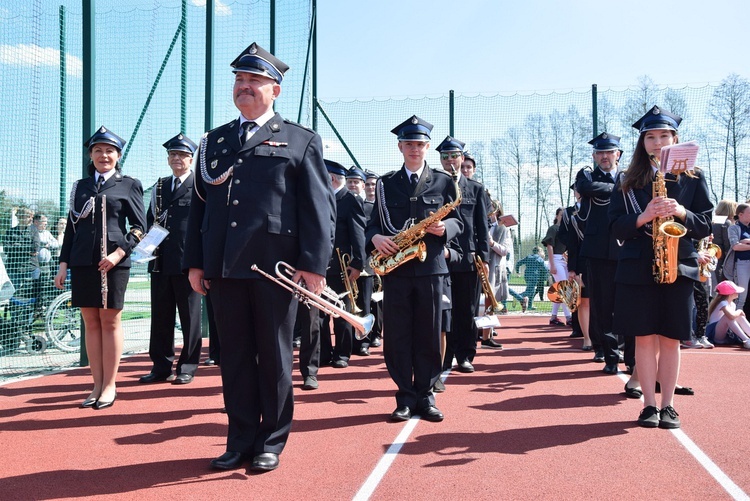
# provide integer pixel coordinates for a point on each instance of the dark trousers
(255, 320)
(411, 346)
(214, 345)
(308, 321)
(462, 338)
(170, 292)
(600, 280)
(343, 332)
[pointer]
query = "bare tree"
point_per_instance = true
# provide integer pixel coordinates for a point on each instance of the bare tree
(557, 147)
(576, 128)
(730, 108)
(536, 135)
(497, 155)
(644, 98)
(512, 147)
(606, 116)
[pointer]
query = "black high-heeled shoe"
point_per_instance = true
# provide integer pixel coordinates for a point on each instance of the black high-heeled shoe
(103, 405)
(89, 402)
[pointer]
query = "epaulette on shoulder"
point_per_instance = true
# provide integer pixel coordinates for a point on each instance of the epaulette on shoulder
(289, 122)
(440, 172)
(472, 181)
(389, 174)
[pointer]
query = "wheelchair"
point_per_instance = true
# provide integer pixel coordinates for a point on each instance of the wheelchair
(38, 319)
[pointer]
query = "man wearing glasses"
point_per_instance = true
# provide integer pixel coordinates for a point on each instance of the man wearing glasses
(465, 285)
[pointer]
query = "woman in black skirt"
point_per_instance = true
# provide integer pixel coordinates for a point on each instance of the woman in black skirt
(659, 315)
(89, 262)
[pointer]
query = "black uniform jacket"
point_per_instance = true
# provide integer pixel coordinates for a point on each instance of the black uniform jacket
(82, 240)
(637, 252)
(267, 201)
(177, 207)
(350, 231)
(475, 236)
(568, 234)
(595, 187)
(437, 190)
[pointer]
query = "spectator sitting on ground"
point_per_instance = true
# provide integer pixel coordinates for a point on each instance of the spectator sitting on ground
(727, 324)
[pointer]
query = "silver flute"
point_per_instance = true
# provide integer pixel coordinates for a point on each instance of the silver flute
(105, 286)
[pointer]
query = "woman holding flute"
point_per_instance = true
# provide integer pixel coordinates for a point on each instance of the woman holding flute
(95, 249)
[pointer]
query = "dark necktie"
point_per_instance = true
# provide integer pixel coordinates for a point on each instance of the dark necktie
(245, 131)
(99, 183)
(414, 181)
(177, 184)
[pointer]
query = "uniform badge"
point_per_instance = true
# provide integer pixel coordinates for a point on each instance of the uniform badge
(253, 50)
(214, 163)
(656, 110)
(220, 140)
(414, 120)
(275, 127)
(605, 136)
(102, 130)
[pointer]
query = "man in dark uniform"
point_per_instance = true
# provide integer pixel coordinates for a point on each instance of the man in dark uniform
(475, 239)
(170, 288)
(355, 181)
(413, 291)
(349, 240)
(599, 248)
(261, 196)
(367, 280)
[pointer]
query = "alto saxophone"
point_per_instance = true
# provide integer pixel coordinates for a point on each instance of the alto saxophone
(486, 286)
(666, 234)
(714, 254)
(409, 241)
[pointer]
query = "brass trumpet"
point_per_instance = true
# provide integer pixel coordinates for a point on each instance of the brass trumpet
(328, 301)
(350, 285)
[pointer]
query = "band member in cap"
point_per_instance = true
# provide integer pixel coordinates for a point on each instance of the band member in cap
(170, 288)
(475, 238)
(664, 310)
(89, 261)
(366, 280)
(355, 181)
(349, 241)
(261, 196)
(413, 290)
(599, 248)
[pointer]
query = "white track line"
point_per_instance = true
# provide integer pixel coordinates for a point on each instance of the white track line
(712, 468)
(388, 458)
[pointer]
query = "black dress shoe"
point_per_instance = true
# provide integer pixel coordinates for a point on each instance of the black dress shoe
(376, 342)
(465, 367)
(100, 404)
(402, 413)
(610, 369)
(598, 356)
(210, 361)
(182, 379)
(431, 413)
(363, 351)
(575, 334)
(340, 364)
(228, 461)
(156, 378)
(632, 392)
(265, 461)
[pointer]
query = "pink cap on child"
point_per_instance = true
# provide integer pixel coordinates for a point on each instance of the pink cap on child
(728, 287)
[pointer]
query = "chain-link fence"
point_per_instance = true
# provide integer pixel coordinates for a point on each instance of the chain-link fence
(150, 83)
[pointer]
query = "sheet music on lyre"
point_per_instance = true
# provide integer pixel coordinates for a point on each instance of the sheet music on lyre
(677, 158)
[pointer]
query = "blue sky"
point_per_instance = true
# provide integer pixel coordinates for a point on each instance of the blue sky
(390, 48)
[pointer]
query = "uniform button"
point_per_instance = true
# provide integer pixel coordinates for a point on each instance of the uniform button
(235, 202)
(233, 224)
(223, 151)
(288, 231)
(236, 181)
(239, 160)
(273, 153)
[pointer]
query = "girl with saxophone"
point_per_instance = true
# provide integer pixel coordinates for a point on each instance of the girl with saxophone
(95, 249)
(654, 309)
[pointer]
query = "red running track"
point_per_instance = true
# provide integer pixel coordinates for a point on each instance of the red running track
(537, 420)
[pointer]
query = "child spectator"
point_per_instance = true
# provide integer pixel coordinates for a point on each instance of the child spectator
(727, 324)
